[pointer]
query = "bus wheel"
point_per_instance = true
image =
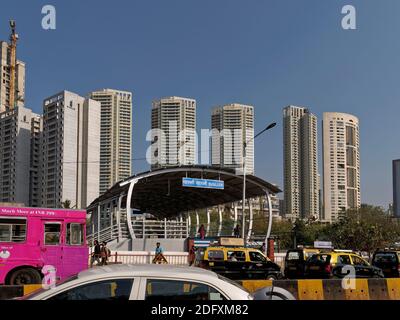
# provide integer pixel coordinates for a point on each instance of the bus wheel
(25, 276)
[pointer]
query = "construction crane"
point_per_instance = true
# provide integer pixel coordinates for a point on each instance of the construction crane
(13, 63)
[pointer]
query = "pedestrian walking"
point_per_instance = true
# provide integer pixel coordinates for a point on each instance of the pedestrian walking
(105, 253)
(96, 255)
(263, 248)
(236, 231)
(202, 232)
(192, 255)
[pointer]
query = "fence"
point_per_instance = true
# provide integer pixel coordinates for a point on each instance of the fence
(165, 229)
(143, 257)
(106, 234)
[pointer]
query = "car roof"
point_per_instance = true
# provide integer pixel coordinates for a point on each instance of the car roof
(387, 251)
(232, 248)
(147, 270)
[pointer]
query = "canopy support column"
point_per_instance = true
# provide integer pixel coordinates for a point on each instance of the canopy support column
(197, 223)
(208, 222)
(220, 221)
(250, 220)
(129, 209)
(235, 217)
(270, 217)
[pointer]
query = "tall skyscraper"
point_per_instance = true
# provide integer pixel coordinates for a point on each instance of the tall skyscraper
(71, 150)
(35, 186)
(115, 136)
(341, 158)
(17, 158)
(12, 75)
(173, 123)
(232, 126)
(396, 188)
(300, 154)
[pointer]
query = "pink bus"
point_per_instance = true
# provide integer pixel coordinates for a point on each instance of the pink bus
(31, 238)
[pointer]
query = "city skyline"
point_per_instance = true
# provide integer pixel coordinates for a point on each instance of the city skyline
(339, 81)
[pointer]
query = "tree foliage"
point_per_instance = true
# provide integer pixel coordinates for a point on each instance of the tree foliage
(66, 204)
(365, 229)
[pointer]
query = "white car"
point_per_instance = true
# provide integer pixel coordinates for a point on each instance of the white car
(144, 282)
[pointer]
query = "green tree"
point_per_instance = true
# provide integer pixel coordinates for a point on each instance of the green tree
(365, 229)
(66, 204)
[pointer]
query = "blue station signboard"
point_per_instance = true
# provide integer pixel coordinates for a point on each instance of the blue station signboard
(203, 183)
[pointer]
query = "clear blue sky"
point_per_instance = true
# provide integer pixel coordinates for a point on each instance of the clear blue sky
(267, 53)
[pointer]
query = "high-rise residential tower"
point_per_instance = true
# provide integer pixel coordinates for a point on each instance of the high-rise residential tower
(341, 159)
(35, 183)
(115, 136)
(71, 150)
(232, 126)
(19, 127)
(173, 124)
(300, 154)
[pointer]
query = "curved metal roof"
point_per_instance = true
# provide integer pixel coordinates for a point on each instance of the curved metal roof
(160, 192)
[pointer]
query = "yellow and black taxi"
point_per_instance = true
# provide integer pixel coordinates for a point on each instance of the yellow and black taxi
(237, 263)
(295, 261)
(337, 264)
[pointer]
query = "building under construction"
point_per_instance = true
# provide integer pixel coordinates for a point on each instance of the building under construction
(12, 75)
(19, 130)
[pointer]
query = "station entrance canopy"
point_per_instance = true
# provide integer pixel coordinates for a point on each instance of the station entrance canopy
(160, 192)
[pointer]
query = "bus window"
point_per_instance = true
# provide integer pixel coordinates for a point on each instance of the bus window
(74, 234)
(12, 230)
(52, 233)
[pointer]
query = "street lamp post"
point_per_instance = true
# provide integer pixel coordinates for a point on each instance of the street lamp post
(270, 126)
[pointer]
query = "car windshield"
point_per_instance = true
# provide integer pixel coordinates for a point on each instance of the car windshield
(320, 258)
(293, 255)
(41, 290)
(385, 257)
(308, 254)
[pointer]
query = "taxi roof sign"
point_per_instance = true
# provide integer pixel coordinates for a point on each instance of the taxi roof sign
(228, 241)
(323, 244)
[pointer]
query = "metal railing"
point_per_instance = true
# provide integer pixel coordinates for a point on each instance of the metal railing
(165, 229)
(107, 234)
(144, 257)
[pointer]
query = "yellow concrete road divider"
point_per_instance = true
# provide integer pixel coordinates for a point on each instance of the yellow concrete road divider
(332, 289)
(31, 287)
(10, 292)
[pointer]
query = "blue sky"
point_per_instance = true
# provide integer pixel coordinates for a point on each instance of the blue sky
(267, 53)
